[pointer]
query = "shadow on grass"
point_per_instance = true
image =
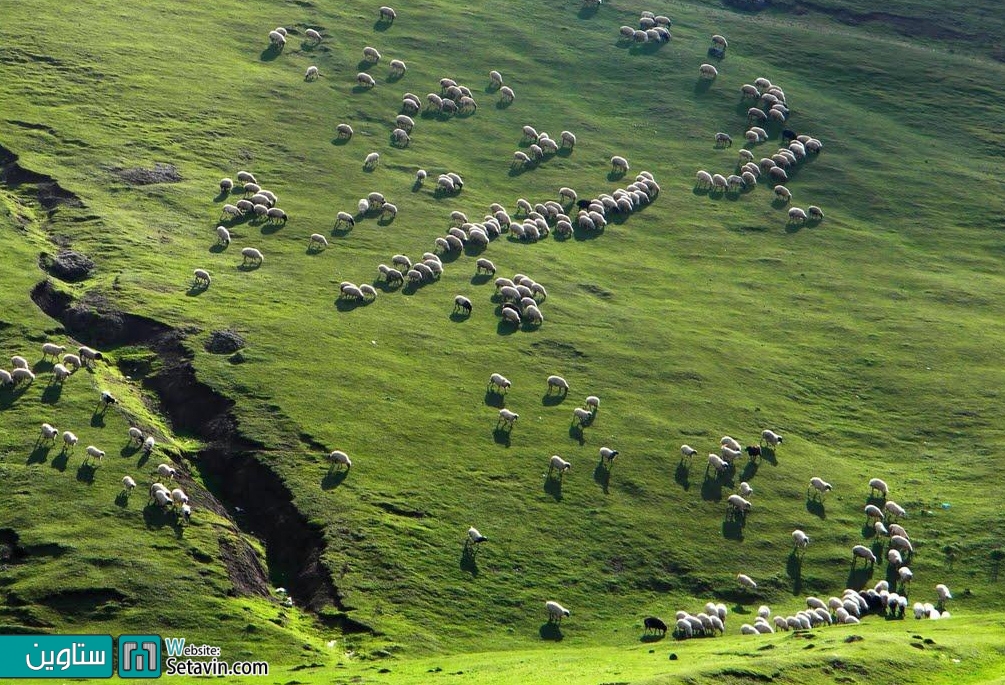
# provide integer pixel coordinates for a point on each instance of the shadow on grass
(768, 454)
(749, 471)
(551, 631)
(459, 317)
(682, 475)
(122, 499)
(196, 289)
(270, 53)
(144, 458)
(495, 399)
(702, 85)
(550, 399)
(52, 393)
(701, 191)
(98, 419)
(480, 279)
(615, 175)
(576, 433)
(602, 476)
(553, 487)
(156, 516)
(858, 577)
(217, 248)
(343, 304)
(60, 461)
(711, 488)
(39, 454)
(334, 478)
(381, 25)
(85, 473)
(507, 328)
(501, 436)
(816, 507)
(587, 12)
(223, 195)
(794, 569)
(793, 227)
(651, 637)
(732, 529)
(469, 559)
(253, 266)
(503, 104)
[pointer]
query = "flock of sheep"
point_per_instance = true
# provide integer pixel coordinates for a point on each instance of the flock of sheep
(653, 28)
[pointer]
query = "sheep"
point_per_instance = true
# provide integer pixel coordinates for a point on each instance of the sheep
(746, 581)
(707, 71)
(557, 463)
(506, 95)
(654, 624)
(52, 350)
(800, 539)
(703, 179)
(60, 373)
(723, 140)
(895, 509)
(719, 182)
(687, 451)
(462, 303)
(796, 214)
(619, 164)
(880, 528)
(861, 551)
(783, 193)
(162, 497)
(873, 512)
(730, 455)
(745, 490)
(372, 160)
(389, 210)
(343, 131)
(231, 210)
(18, 375)
(386, 14)
(135, 434)
(251, 254)
(364, 80)
(371, 55)
(905, 574)
(178, 496)
(555, 611)
(317, 241)
(582, 416)
(736, 503)
(717, 463)
(568, 139)
(48, 433)
(277, 39)
(897, 529)
(226, 185)
(771, 438)
(128, 484)
(166, 471)
(148, 444)
(69, 441)
(201, 278)
(368, 292)
(313, 35)
(943, 592)
(729, 442)
(815, 213)
(558, 383)
(778, 174)
(533, 315)
(498, 382)
(507, 417)
(94, 452)
(312, 73)
(339, 459)
(820, 485)
(474, 538)
(261, 209)
(186, 513)
(19, 362)
(398, 68)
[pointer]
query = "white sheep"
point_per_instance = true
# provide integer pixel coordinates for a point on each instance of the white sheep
(703, 179)
(608, 455)
(814, 213)
(800, 539)
(148, 444)
(312, 73)
(507, 417)
(18, 375)
(783, 193)
(863, 552)
(178, 496)
(728, 454)
(6, 378)
(592, 403)
(364, 80)
(72, 360)
(555, 611)
(371, 55)
(135, 434)
(52, 350)
(128, 484)
(745, 490)
(905, 574)
(201, 277)
(880, 529)
(707, 71)
(557, 463)
(873, 512)
(19, 362)
(372, 160)
(897, 529)
(730, 442)
(582, 416)
(251, 254)
(506, 95)
(94, 453)
(943, 592)
(737, 503)
(48, 433)
(398, 68)
(226, 185)
(343, 131)
(820, 485)
(222, 235)
(499, 382)
(474, 537)
(186, 513)
(746, 581)
(496, 78)
(166, 470)
(687, 451)
(339, 459)
(797, 214)
(60, 373)
(895, 509)
(619, 164)
(162, 497)
(313, 35)
(277, 39)
(386, 14)
(771, 438)
(717, 463)
(558, 383)
(901, 543)
(568, 139)
(463, 303)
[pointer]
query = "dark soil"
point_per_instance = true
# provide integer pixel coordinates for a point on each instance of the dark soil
(224, 342)
(49, 193)
(67, 265)
(138, 176)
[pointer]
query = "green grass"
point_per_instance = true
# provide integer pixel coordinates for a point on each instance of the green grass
(870, 341)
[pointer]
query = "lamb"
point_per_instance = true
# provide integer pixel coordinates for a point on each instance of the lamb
(251, 254)
(372, 160)
(507, 417)
(820, 485)
(772, 438)
(687, 451)
(69, 441)
(60, 373)
(364, 80)
(313, 35)
(861, 551)
(558, 383)
(386, 14)
(371, 55)
(746, 581)
(557, 463)
(166, 470)
(814, 213)
(339, 459)
(582, 416)
(619, 164)
(18, 375)
(312, 73)
(707, 71)
(462, 303)
(201, 277)
(48, 433)
(800, 539)
(555, 611)
(398, 68)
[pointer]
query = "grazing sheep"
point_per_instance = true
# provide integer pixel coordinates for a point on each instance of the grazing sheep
(861, 551)
(226, 185)
(815, 213)
(277, 39)
(313, 35)
(60, 373)
(496, 78)
(484, 265)
(166, 470)
(730, 455)
(69, 441)
(246, 177)
(703, 179)
(343, 131)
(19, 362)
(128, 484)
(222, 235)
(231, 210)
(339, 459)
(386, 14)
(317, 241)
(568, 139)
(148, 444)
(88, 355)
(800, 539)
(771, 438)
(506, 95)
(895, 509)
(873, 512)
(364, 80)
(48, 433)
(719, 182)
(729, 442)
(717, 463)
(312, 73)
(746, 581)
(474, 537)
(738, 504)
(880, 529)
(511, 316)
(582, 416)
(723, 140)
(555, 611)
(18, 375)
(778, 174)
(507, 417)
(398, 68)
(558, 383)
(619, 164)
(654, 624)
(592, 403)
(687, 451)
(745, 490)
(557, 463)
(783, 193)
(797, 214)
(462, 303)
(905, 574)
(707, 71)
(135, 434)
(371, 55)
(499, 382)
(52, 350)
(820, 485)
(251, 254)
(202, 277)
(372, 160)
(943, 592)
(368, 292)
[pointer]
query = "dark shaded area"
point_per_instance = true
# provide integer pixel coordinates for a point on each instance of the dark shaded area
(553, 487)
(224, 342)
(469, 559)
(794, 569)
(681, 475)
(49, 193)
(602, 476)
(816, 507)
(138, 176)
(551, 631)
(67, 265)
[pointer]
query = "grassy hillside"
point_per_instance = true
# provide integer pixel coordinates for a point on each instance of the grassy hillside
(870, 340)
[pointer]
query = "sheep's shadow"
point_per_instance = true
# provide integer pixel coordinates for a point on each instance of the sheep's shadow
(702, 86)
(816, 507)
(339, 141)
(700, 191)
(270, 53)
(711, 488)
(459, 316)
(394, 78)
(249, 266)
(503, 104)
(144, 458)
(381, 25)
(615, 175)
(794, 569)
(648, 638)
(515, 171)
(416, 186)
(768, 454)
(359, 89)
(682, 475)
(469, 559)
(270, 227)
(491, 88)
(550, 399)
(60, 461)
(587, 12)
(341, 231)
(368, 168)
(386, 286)
(732, 529)
(85, 473)
(39, 454)
(217, 248)
(52, 393)
(551, 631)
(749, 471)
(858, 577)
(577, 434)
(473, 250)
(876, 501)
(553, 487)
(480, 279)
(385, 220)
(450, 256)
(314, 249)
(343, 304)
(602, 476)
(223, 195)
(122, 499)
(647, 48)
(363, 65)
(98, 419)
(793, 227)
(196, 289)
(868, 531)
(128, 450)
(505, 327)
(501, 436)
(334, 478)
(156, 516)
